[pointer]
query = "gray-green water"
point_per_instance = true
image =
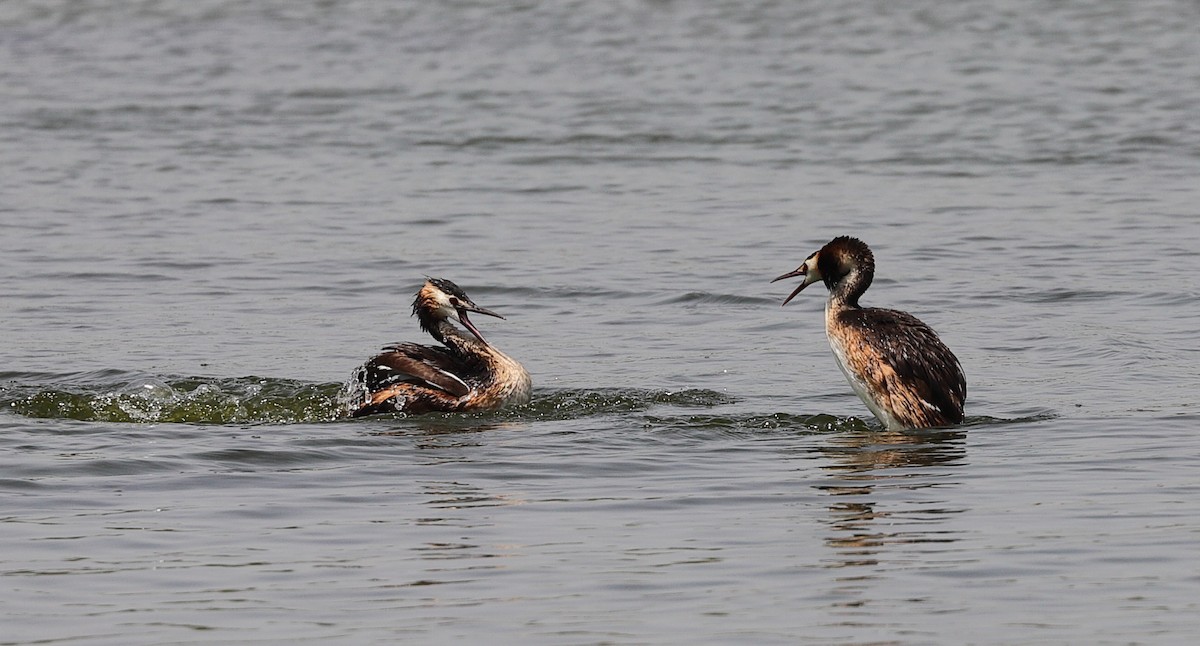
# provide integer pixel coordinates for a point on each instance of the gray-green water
(212, 211)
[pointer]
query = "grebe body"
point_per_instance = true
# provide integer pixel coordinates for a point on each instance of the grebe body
(895, 363)
(467, 374)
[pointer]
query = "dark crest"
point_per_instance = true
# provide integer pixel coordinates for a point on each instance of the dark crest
(425, 309)
(450, 288)
(841, 256)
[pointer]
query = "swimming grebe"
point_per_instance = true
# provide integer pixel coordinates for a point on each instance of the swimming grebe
(469, 374)
(895, 363)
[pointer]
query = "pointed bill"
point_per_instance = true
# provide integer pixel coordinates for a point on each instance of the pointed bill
(810, 277)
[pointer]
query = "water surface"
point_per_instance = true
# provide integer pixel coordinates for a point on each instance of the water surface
(212, 212)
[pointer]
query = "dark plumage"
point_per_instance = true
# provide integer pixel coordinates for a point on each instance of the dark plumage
(896, 364)
(468, 374)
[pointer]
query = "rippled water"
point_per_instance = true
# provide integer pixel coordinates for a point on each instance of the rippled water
(213, 211)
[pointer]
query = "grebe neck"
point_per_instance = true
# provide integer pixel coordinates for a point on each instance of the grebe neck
(465, 344)
(845, 290)
(448, 334)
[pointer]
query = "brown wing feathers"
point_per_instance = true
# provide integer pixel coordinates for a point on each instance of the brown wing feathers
(406, 362)
(905, 365)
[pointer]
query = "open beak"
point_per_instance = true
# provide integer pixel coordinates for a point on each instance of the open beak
(802, 270)
(462, 310)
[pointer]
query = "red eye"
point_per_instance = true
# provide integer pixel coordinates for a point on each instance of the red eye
(454, 301)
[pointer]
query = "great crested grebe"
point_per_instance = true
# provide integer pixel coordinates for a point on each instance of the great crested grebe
(895, 363)
(469, 374)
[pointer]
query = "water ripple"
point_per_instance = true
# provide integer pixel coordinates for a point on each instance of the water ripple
(117, 396)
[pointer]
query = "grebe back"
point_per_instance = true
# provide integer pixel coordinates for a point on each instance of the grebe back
(895, 363)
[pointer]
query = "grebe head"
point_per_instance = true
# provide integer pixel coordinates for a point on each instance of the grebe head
(841, 258)
(440, 299)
